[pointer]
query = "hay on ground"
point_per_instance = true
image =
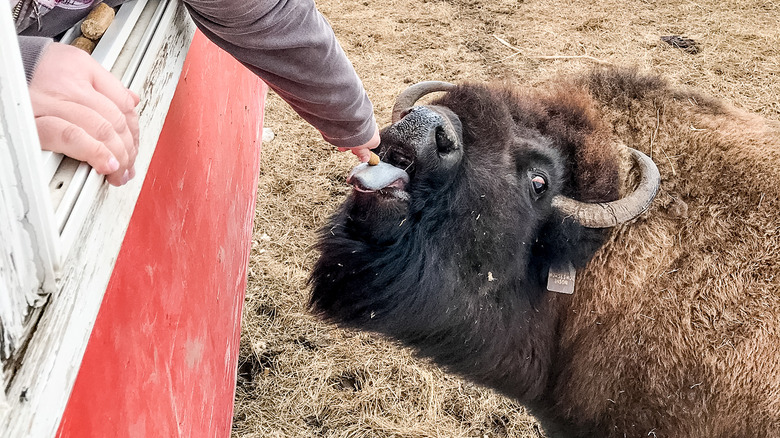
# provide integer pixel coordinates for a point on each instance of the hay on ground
(301, 378)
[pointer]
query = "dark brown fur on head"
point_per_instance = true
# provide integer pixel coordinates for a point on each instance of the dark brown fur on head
(566, 115)
(466, 257)
(458, 269)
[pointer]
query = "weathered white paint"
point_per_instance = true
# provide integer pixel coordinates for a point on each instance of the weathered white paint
(39, 392)
(26, 235)
(75, 174)
(18, 271)
(128, 61)
(61, 180)
(146, 20)
(51, 161)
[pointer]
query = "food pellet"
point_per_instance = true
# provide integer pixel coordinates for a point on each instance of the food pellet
(374, 160)
(98, 20)
(84, 44)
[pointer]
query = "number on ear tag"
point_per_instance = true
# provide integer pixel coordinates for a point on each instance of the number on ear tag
(561, 278)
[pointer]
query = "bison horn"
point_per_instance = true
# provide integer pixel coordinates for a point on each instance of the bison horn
(408, 97)
(609, 214)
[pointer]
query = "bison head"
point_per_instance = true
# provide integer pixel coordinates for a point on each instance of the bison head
(447, 243)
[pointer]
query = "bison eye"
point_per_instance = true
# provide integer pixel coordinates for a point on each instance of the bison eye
(538, 183)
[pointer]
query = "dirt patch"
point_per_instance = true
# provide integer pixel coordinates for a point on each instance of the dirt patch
(301, 378)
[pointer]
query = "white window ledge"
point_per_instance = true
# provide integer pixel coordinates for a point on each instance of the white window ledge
(71, 285)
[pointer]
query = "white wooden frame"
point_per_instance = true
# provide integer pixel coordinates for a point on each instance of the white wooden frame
(33, 403)
(27, 235)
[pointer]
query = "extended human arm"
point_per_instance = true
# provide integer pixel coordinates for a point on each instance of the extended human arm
(291, 46)
(287, 43)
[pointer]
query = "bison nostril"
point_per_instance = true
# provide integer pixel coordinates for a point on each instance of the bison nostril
(444, 144)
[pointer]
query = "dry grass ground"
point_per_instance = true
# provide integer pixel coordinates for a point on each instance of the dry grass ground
(301, 378)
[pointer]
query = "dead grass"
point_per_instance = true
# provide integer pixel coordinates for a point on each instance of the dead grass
(301, 378)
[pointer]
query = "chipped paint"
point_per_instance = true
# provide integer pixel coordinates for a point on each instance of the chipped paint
(166, 339)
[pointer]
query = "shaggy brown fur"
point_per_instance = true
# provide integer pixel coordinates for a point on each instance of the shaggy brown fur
(674, 325)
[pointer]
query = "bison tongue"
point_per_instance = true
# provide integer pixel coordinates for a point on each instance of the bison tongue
(376, 177)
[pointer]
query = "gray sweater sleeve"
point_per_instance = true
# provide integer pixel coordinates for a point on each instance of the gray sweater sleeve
(32, 48)
(291, 46)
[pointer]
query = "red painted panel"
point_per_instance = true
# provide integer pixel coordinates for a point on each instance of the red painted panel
(161, 360)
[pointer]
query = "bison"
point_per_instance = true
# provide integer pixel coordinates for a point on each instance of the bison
(493, 199)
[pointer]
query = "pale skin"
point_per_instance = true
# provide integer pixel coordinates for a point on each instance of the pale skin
(91, 116)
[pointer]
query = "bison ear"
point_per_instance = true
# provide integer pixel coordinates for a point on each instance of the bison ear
(562, 243)
(563, 240)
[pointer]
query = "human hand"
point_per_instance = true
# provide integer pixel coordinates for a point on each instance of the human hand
(363, 152)
(83, 111)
